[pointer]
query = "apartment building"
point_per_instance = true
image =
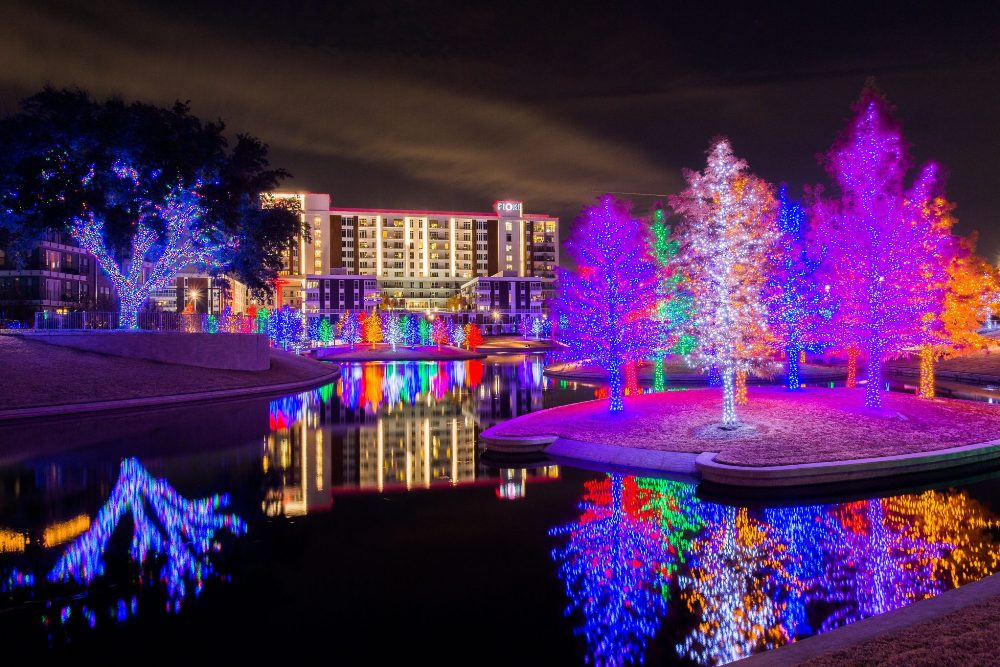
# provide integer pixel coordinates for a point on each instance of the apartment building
(421, 258)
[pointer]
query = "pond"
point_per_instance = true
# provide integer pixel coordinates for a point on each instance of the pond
(358, 522)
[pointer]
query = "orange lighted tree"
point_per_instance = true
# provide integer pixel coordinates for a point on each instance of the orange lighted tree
(373, 329)
(970, 298)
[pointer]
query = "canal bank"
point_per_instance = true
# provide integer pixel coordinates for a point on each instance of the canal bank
(42, 380)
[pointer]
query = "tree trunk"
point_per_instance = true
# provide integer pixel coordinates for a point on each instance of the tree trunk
(873, 388)
(792, 380)
(728, 399)
(659, 377)
(741, 388)
(926, 372)
(128, 318)
(632, 379)
(617, 392)
(852, 367)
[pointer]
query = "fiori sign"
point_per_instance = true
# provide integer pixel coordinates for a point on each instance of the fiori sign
(508, 208)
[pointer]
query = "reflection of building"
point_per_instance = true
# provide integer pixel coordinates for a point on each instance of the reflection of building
(386, 427)
(422, 258)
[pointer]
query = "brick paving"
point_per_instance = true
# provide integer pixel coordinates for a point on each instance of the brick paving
(35, 374)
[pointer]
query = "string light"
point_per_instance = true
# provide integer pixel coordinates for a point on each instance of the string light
(610, 298)
(350, 331)
(888, 249)
(729, 231)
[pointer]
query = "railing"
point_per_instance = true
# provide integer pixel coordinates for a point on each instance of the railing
(147, 321)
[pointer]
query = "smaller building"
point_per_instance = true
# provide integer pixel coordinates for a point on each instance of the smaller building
(500, 300)
(336, 293)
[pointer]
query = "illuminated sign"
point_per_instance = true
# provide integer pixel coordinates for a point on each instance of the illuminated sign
(507, 208)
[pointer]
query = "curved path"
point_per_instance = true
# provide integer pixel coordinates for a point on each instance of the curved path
(807, 438)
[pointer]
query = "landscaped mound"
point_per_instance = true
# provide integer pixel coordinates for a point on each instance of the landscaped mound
(780, 427)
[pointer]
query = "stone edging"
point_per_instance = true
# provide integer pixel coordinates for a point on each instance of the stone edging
(849, 636)
(130, 403)
(830, 472)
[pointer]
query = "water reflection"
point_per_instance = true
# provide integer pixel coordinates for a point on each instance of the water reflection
(751, 580)
(396, 426)
(173, 539)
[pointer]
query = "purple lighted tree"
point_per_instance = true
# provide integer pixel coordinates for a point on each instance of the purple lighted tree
(797, 303)
(887, 249)
(610, 300)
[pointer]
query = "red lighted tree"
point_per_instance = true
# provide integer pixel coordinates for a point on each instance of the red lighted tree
(610, 301)
(473, 336)
(887, 247)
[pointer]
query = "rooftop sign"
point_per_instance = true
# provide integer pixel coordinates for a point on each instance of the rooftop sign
(507, 208)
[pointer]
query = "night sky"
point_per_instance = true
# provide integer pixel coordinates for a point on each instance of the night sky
(451, 106)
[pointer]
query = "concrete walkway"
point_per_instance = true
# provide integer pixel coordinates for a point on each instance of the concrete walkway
(40, 380)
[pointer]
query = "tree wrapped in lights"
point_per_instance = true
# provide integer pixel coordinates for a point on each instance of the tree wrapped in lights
(728, 233)
(439, 332)
(797, 308)
(393, 331)
(458, 335)
(887, 247)
(411, 330)
(969, 300)
(350, 329)
(473, 336)
(610, 300)
(373, 329)
(616, 570)
(674, 305)
(424, 330)
(325, 331)
(152, 262)
(262, 320)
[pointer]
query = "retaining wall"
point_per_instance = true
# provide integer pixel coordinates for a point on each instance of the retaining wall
(241, 352)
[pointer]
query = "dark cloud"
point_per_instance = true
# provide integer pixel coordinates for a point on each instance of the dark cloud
(449, 105)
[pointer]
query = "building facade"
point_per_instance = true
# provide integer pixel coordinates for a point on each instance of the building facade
(337, 293)
(421, 258)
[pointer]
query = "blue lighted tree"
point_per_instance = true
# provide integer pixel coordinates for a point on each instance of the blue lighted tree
(411, 330)
(611, 298)
(797, 308)
(350, 329)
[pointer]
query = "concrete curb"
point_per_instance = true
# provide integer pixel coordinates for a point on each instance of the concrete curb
(832, 472)
(131, 403)
(849, 636)
(676, 466)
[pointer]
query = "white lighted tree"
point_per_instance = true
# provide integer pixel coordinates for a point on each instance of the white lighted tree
(728, 232)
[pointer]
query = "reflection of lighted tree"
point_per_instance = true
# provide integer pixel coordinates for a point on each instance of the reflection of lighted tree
(677, 509)
(954, 522)
(734, 588)
(805, 531)
(872, 568)
(164, 524)
(615, 569)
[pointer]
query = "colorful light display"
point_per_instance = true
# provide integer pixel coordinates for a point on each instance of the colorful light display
(439, 332)
(473, 336)
(888, 248)
(610, 298)
(674, 305)
(796, 303)
(373, 329)
(350, 329)
(729, 232)
(184, 243)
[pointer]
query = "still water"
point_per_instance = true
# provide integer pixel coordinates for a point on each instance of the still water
(358, 523)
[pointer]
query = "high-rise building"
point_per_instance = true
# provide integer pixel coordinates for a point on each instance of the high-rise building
(421, 258)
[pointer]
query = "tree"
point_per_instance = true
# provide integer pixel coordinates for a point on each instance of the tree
(674, 304)
(458, 335)
(728, 231)
(473, 336)
(969, 299)
(797, 308)
(325, 331)
(350, 329)
(439, 332)
(424, 330)
(393, 331)
(887, 247)
(373, 329)
(140, 183)
(610, 299)
(411, 330)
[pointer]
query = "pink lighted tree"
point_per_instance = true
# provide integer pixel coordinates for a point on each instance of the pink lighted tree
(887, 247)
(609, 302)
